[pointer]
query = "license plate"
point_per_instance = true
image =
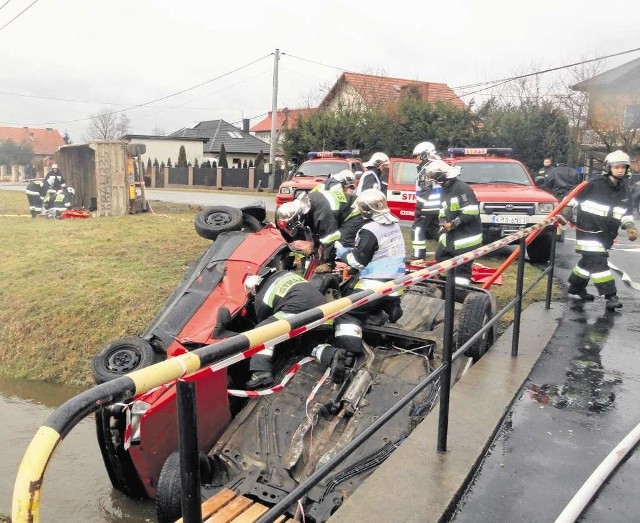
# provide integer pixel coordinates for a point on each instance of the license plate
(509, 220)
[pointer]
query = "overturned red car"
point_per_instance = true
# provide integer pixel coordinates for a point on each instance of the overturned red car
(262, 444)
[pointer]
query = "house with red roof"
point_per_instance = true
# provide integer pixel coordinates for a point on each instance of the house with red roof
(285, 119)
(43, 142)
(359, 91)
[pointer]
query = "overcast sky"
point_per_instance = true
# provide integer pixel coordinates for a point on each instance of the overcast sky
(115, 54)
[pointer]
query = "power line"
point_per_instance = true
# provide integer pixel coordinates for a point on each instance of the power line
(1, 6)
(151, 101)
(513, 78)
(19, 14)
(314, 62)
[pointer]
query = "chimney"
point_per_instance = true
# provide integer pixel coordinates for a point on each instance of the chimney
(245, 125)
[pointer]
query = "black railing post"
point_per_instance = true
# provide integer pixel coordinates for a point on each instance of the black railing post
(517, 309)
(447, 351)
(188, 448)
(552, 259)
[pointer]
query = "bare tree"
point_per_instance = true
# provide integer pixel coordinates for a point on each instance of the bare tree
(159, 131)
(107, 125)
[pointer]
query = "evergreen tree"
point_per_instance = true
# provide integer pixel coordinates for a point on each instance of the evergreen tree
(149, 165)
(155, 163)
(222, 157)
(195, 163)
(182, 157)
(162, 165)
(169, 163)
(244, 164)
(250, 163)
(259, 160)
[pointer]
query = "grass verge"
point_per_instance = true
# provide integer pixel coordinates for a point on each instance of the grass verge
(71, 286)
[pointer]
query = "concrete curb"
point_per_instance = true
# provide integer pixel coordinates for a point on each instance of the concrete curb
(418, 484)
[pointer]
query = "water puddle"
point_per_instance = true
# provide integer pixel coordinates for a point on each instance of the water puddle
(76, 486)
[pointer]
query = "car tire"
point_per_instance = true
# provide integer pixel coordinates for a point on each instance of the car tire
(169, 488)
(213, 221)
(120, 357)
(476, 313)
(110, 430)
(539, 250)
(168, 491)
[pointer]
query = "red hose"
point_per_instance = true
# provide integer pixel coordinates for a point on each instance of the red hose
(558, 208)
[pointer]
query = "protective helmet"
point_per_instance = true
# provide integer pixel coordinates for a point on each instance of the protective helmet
(71, 190)
(426, 151)
(54, 166)
(372, 205)
(376, 160)
(617, 158)
(289, 215)
(345, 177)
(439, 171)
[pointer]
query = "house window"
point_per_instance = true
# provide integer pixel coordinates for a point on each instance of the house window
(632, 117)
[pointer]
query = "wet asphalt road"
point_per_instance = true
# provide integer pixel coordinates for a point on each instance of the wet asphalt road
(581, 400)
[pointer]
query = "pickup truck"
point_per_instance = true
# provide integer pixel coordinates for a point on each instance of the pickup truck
(509, 199)
(315, 170)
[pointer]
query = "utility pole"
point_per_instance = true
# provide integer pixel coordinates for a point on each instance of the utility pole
(274, 119)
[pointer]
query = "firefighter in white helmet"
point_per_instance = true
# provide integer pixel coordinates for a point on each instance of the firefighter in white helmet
(378, 255)
(370, 179)
(461, 228)
(602, 208)
(425, 223)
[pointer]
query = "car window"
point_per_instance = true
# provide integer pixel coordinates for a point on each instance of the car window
(493, 172)
(405, 173)
(321, 168)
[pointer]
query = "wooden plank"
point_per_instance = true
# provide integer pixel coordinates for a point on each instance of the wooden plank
(231, 510)
(220, 499)
(281, 519)
(251, 514)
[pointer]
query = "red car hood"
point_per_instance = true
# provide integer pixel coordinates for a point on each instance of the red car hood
(517, 193)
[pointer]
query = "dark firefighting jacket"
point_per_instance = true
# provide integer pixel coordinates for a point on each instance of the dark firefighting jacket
(601, 210)
(284, 293)
(459, 206)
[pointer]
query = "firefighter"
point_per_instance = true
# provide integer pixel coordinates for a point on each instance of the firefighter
(460, 225)
(278, 295)
(603, 207)
(425, 224)
(61, 202)
(348, 215)
(36, 191)
(379, 256)
(370, 179)
(314, 218)
(55, 179)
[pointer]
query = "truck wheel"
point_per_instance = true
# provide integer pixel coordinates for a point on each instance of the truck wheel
(539, 250)
(120, 357)
(476, 313)
(212, 221)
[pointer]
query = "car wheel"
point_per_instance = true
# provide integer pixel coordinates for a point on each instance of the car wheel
(539, 250)
(212, 221)
(169, 489)
(120, 357)
(476, 313)
(110, 430)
